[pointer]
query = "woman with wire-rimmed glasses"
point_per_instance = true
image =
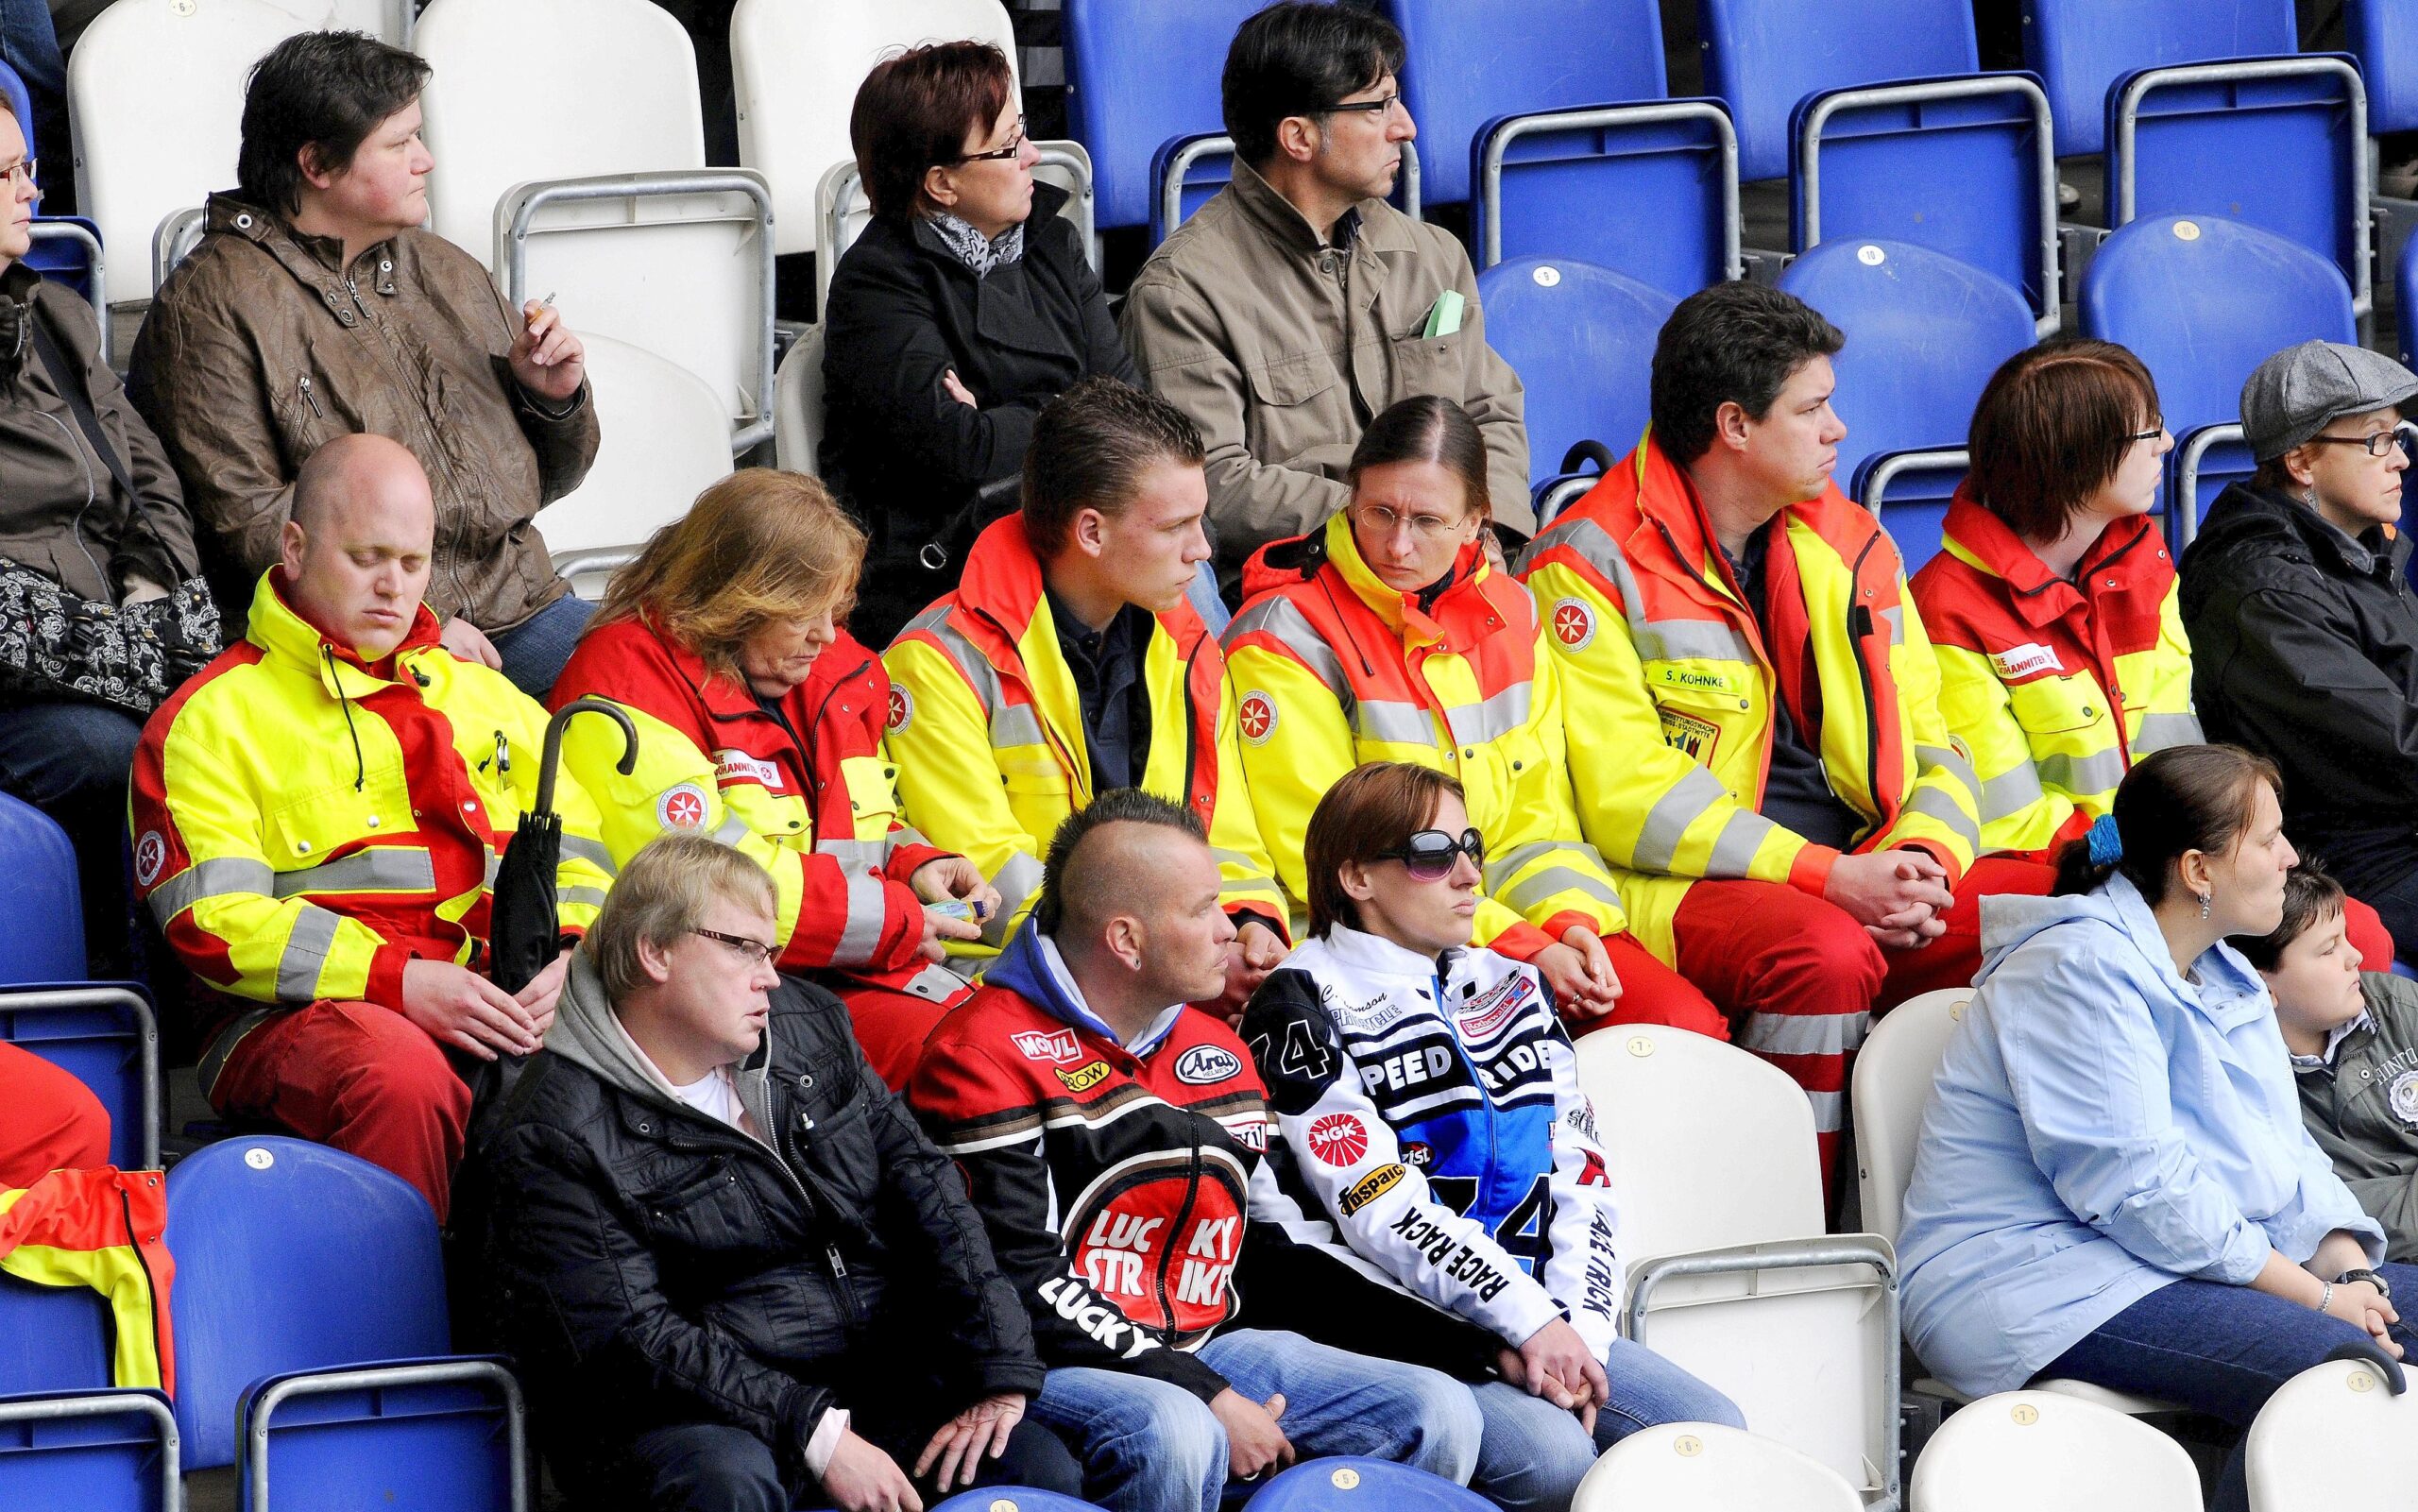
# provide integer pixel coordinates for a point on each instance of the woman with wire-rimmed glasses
(968, 303)
(1390, 636)
(2304, 631)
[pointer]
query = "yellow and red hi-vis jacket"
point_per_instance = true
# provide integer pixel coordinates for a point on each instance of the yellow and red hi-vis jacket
(1666, 671)
(105, 1229)
(988, 732)
(304, 824)
(802, 786)
(2055, 687)
(1330, 667)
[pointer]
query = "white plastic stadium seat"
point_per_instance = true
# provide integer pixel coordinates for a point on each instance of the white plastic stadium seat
(663, 440)
(593, 186)
(796, 66)
(155, 101)
(389, 20)
(1709, 1468)
(2025, 1450)
(1893, 1077)
(2335, 1436)
(1730, 1274)
(797, 405)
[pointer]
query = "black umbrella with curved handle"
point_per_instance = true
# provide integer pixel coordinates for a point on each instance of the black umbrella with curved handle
(524, 924)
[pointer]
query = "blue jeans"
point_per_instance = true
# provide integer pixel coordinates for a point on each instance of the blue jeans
(1206, 601)
(72, 761)
(1151, 1447)
(2221, 1349)
(1534, 1452)
(534, 651)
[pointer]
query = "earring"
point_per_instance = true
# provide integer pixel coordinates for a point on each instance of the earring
(2203, 905)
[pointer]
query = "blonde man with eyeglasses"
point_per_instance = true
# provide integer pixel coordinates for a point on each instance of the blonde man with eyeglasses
(1388, 634)
(735, 1275)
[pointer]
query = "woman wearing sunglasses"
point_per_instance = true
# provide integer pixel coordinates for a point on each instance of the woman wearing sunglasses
(1390, 636)
(1428, 1102)
(967, 304)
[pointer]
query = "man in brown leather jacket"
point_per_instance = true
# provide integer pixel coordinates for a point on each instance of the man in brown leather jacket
(1298, 305)
(315, 307)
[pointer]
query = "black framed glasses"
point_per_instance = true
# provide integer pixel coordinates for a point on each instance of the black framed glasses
(1377, 106)
(1016, 145)
(2378, 445)
(1428, 856)
(757, 952)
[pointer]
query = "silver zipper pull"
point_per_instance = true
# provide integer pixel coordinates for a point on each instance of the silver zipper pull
(311, 398)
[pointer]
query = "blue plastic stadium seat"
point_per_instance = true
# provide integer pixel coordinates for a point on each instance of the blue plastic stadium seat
(1763, 56)
(106, 1034)
(2201, 300)
(1581, 338)
(1012, 1499)
(311, 1336)
(1924, 332)
(1140, 71)
(2079, 47)
(1649, 191)
(117, 1454)
(1964, 165)
(1349, 1483)
(1466, 65)
(21, 102)
(2279, 143)
(44, 941)
(2384, 37)
(2406, 314)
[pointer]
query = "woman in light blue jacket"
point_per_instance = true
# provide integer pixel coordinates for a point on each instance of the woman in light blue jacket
(2113, 1183)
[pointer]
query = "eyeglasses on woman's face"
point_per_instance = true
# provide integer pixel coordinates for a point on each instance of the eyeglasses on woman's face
(1014, 145)
(1429, 855)
(2378, 445)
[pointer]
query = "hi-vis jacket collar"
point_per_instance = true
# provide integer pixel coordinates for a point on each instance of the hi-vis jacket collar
(1460, 616)
(1979, 538)
(285, 635)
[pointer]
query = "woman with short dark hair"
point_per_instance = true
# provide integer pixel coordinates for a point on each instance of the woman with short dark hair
(1390, 636)
(2112, 1183)
(2053, 606)
(968, 303)
(315, 307)
(1457, 1081)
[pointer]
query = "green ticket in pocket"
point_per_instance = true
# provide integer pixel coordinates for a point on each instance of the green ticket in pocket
(1444, 315)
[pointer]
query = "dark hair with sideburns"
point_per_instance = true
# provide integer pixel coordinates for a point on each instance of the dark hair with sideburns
(1089, 449)
(1733, 342)
(1298, 58)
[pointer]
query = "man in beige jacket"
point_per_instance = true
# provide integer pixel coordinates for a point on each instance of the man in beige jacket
(1298, 303)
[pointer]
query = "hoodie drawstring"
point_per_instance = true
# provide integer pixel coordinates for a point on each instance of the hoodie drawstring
(360, 770)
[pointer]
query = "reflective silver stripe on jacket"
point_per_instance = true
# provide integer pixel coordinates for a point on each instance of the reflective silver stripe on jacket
(306, 954)
(2010, 792)
(1654, 640)
(1950, 761)
(1933, 804)
(1491, 718)
(2159, 731)
(221, 876)
(1278, 617)
(1011, 724)
(592, 852)
(1393, 721)
(1017, 881)
(1804, 1033)
(1666, 824)
(861, 935)
(854, 855)
(381, 869)
(2084, 775)
(1530, 891)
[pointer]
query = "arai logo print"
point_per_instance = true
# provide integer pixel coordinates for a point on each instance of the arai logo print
(2403, 1097)
(151, 855)
(1573, 624)
(1339, 1139)
(1205, 1066)
(682, 806)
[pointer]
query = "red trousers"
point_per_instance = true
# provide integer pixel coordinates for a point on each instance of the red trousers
(49, 1121)
(2364, 928)
(361, 1078)
(1801, 980)
(1651, 992)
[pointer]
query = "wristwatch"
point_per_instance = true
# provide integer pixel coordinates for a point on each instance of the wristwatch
(2384, 1287)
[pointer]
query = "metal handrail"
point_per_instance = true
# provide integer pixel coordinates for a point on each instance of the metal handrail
(594, 559)
(110, 1404)
(321, 1382)
(174, 239)
(67, 231)
(2123, 194)
(1201, 148)
(1733, 264)
(2187, 478)
(1875, 493)
(1795, 1254)
(1929, 92)
(519, 209)
(105, 995)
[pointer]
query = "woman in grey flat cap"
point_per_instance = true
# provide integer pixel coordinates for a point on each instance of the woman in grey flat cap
(2303, 628)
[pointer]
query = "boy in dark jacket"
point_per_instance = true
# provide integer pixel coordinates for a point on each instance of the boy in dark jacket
(1113, 1139)
(732, 1272)
(2354, 1037)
